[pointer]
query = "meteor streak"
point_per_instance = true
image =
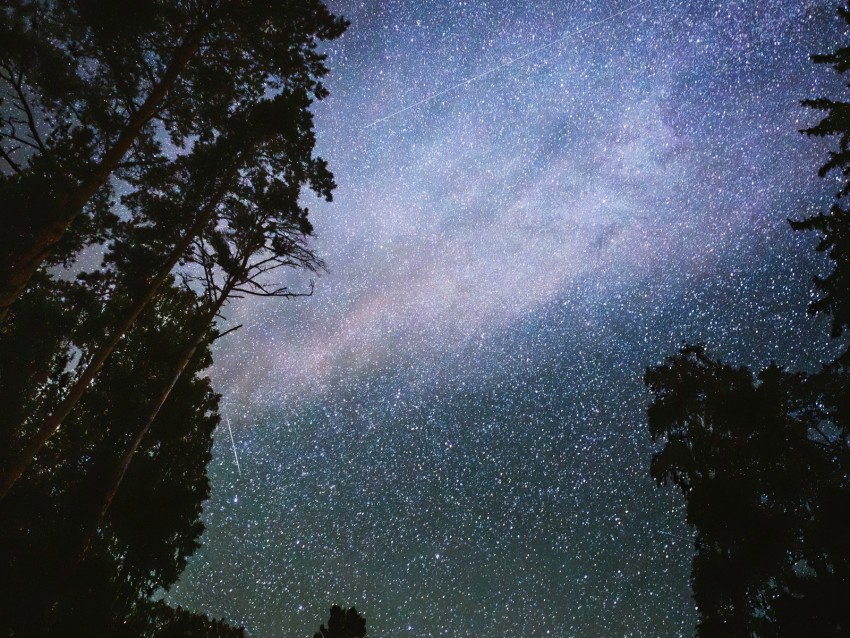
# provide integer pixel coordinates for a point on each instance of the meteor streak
(672, 535)
(233, 445)
(492, 70)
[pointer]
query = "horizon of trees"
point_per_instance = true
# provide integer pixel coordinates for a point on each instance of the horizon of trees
(762, 458)
(343, 623)
(106, 412)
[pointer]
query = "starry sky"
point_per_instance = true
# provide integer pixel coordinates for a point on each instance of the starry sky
(536, 200)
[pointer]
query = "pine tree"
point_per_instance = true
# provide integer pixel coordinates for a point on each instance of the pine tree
(763, 460)
(249, 181)
(182, 66)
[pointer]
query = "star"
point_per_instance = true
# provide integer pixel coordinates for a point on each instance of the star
(506, 257)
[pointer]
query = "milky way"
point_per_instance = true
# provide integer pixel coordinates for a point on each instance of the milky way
(535, 202)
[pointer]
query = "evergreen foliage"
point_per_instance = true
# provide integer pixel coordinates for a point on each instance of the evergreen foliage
(153, 527)
(343, 623)
(200, 109)
(763, 459)
(764, 466)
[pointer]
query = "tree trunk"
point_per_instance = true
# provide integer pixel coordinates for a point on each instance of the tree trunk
(19, 267)
(18, 465)
(110, 487)
(176, 373)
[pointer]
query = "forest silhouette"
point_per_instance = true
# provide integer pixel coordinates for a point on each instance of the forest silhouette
(173, 142)
(762, 457)
(107, 415)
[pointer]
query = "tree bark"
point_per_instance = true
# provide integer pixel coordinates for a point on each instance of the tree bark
(19, 267)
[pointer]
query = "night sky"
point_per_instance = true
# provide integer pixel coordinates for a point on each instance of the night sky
(536, 200)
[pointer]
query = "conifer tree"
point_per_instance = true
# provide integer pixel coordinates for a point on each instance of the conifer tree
(763, 459)
(129, 69)
(259, 165)
(265, 231)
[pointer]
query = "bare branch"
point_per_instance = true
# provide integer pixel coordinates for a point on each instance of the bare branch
(23, 105)
(226, 332)
(281, 292)
(13, 134)
(6, 156)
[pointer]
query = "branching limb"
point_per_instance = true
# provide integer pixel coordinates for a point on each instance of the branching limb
(263, 290)
(7, 156)
(226, 332)
(22, 104)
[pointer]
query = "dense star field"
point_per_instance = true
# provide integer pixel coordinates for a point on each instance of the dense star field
(535, 202)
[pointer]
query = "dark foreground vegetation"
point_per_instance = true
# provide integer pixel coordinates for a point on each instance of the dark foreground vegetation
(762, 457)
(170, 140)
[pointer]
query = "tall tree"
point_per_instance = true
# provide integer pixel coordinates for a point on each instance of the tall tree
(179, 66)
(343, 623)
(266, 231)
(262, 161)
(260, 229)
(763, 459)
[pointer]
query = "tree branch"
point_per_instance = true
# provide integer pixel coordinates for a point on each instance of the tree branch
(24, 107)
(226, 332)
(10, 161)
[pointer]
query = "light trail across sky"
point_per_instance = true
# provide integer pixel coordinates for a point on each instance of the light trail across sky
(499, 67)
(233, 445)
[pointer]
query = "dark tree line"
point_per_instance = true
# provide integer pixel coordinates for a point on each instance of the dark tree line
(763, 457)
(343, 623)
(198, 113)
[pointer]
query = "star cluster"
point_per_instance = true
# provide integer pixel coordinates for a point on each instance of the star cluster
(535, 202)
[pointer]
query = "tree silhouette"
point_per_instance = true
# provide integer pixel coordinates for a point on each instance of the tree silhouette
(185, 65)
(240, 194)
(106, 419)
(343, 624)
(763, 463)
(763, 459)
(834, 226)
